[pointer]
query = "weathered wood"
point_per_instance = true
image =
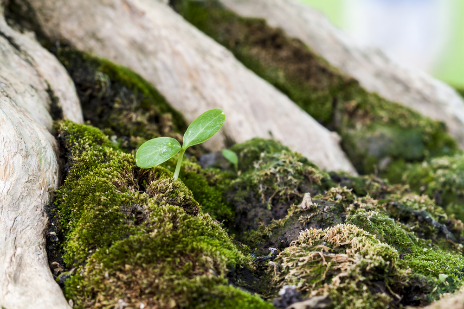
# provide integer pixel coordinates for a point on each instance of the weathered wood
(192, 71)
(372, 68)
(30, 78)
(451, 302)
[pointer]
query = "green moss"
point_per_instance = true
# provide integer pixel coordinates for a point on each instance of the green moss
(251, 151)
(442, 179)
(279, 176)
(269, 182)
(209, 194)
(344, 262)
(130, 111)
(280, 233)
(374, 131)
(136, 236)
(421, 256)
(371, 185)
(118, 101)
(426, 242)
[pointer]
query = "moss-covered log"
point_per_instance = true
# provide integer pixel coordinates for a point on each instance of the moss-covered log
(193, 72)
(127, 237)
(358, 239)
(375, 70)
(375, 132)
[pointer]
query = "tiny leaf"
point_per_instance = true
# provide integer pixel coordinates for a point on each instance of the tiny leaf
(204, 127)
(156, 151)
(231, 156)
(442, 277)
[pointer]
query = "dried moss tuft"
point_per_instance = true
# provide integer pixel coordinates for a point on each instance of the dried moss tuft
(346, 262)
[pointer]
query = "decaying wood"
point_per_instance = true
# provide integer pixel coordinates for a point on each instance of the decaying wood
(373, 69)
(30, 78)
(192, 71)
(451, 302)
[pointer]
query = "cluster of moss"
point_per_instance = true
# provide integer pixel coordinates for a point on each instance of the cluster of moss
(374, 131)
(271, 179)
(442, 179)
(131, 111)
(412, 252)
(136, 236)
(345, 262)
(207, 186)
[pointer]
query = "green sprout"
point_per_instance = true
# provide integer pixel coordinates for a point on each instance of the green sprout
(231, 157)
(159, 150)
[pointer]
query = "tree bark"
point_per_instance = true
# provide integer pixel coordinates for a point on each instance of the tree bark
(192, 71)
(31, 80)
(371, 67)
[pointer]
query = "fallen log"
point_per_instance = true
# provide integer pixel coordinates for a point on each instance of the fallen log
(32, 84)
(193, 72)
(371, 67)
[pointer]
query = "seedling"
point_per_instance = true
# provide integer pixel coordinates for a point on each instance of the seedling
(159, 150)
(231, 156)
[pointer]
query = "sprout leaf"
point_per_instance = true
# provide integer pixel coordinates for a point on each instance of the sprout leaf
(156, 151)
(231, 156)
(204, 127)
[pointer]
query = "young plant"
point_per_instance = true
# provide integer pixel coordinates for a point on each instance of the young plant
(232, 157)
(159, 150)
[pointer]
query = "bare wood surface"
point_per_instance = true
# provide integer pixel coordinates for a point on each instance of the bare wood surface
(28, 167)
(192, 71)
(371, 67)
(455, 301)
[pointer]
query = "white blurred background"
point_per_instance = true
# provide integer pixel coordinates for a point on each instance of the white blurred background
(425, 34)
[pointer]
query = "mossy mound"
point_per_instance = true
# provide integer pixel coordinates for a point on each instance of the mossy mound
(422, 245)
(345, 262)
(442, 179)
(271, 179)
(138, 237)
(118, 101)
(251, 151)
(375, 132)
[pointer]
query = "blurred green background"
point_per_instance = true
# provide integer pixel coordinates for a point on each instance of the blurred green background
(447, 64)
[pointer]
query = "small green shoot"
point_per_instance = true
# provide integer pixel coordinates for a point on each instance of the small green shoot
(159, 150)
(231, 157)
